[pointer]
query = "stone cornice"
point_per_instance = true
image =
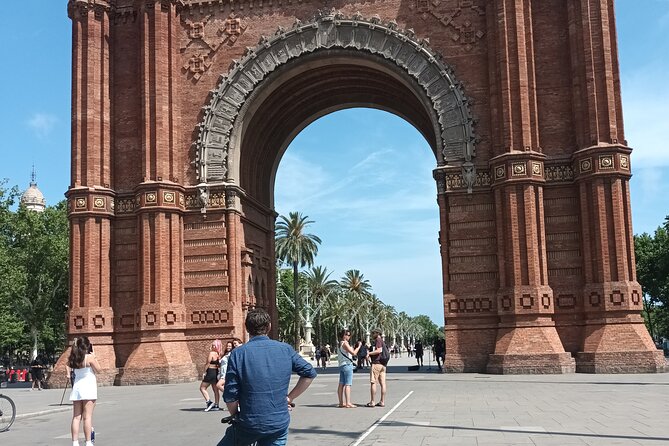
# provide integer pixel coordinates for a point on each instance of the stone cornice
(79, 8)
(90, 201)
(518, 166)
(602, 160)
(172, 197)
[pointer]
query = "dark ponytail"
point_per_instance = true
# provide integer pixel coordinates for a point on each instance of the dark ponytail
(80, 347)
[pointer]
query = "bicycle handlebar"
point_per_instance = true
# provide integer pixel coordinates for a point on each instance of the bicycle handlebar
(231, 418)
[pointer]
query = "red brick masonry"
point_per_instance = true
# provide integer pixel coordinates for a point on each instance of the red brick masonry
(183, 109)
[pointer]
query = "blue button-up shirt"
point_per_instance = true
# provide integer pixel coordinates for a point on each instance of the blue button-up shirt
(258, 377)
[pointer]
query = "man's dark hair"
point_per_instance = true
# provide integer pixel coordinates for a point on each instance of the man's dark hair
(257, 322)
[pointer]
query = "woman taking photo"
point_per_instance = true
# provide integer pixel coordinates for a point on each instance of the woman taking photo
(83, 363)
(345, 359)
(210, 377)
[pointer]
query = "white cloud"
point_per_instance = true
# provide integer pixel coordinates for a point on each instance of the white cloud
(42, 124)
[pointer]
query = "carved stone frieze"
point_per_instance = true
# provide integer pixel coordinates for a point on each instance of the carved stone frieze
(464, 18)
(330, 29)
(468, 179)
(126, 205)
(560, 173)
(205, 37)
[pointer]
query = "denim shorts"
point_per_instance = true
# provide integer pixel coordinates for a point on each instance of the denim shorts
(346, 375)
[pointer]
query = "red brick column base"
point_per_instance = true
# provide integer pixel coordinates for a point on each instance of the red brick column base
(619, 345)
(158, 362)
(541, 363)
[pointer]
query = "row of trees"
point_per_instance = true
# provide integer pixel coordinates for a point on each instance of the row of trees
(34, 274)
(314, 296)
(652, 264)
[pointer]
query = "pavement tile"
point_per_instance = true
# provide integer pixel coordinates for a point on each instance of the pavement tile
(448, 410)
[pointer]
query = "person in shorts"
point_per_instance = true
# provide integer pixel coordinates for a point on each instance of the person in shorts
(345, 359)
(210, 376)
(377, 373)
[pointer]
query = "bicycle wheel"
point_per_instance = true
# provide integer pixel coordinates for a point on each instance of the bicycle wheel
(7, 412)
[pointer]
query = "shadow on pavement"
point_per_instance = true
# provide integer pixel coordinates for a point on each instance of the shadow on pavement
(527, 431)
(316, 430)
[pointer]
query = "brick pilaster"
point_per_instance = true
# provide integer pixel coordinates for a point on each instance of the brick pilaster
(237, 284)
(615, 338)
(161, 309)
(90, 196)
(527, 341)
(159, 33)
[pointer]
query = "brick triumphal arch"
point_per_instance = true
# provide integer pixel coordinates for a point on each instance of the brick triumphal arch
(183, 109)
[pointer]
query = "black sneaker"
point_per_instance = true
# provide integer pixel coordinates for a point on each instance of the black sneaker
(214, 408)
(209, 404)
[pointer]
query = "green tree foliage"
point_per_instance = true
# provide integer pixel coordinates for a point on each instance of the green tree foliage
(296, 247)
(34, 271)
(652, 264)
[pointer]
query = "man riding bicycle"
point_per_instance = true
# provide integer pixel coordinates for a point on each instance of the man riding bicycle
(256, 386)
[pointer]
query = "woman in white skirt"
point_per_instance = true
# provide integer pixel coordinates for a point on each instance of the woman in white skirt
(83, 363)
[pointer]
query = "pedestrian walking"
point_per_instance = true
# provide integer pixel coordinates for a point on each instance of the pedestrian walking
(345, 359)
(317, 355)
(83, 363)
(256, 386)
(439, 350)
(223, 365)
(210, 376)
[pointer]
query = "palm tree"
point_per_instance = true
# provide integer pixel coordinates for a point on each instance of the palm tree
(356, 283)
(297, 248)
(320, 288)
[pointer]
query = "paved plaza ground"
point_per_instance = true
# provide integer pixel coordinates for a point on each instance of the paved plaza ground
(423, 408)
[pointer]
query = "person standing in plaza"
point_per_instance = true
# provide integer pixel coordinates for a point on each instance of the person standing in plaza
(84, 393)
(377, 373)
(256, 386)
(362, 356)
(210, 376)
(325, 355)
(345, 359)
(37, 373)
(419, 353)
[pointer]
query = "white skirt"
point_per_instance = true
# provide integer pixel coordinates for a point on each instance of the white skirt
(85, 385)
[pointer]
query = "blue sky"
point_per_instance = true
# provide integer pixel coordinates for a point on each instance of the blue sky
(356, 172)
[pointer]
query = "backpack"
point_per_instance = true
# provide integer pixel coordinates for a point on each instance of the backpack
(384, 357)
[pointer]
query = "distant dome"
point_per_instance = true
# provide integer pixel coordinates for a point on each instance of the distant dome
(32, 198)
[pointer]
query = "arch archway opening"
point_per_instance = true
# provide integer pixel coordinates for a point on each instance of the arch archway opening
(364, 177)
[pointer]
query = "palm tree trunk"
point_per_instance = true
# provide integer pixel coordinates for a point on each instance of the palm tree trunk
(296, 337)
(35, 336)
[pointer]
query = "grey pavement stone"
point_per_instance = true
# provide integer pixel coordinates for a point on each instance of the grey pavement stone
(444, 409)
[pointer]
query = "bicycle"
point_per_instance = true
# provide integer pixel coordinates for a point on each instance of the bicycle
(232, 419)
(7, 412)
